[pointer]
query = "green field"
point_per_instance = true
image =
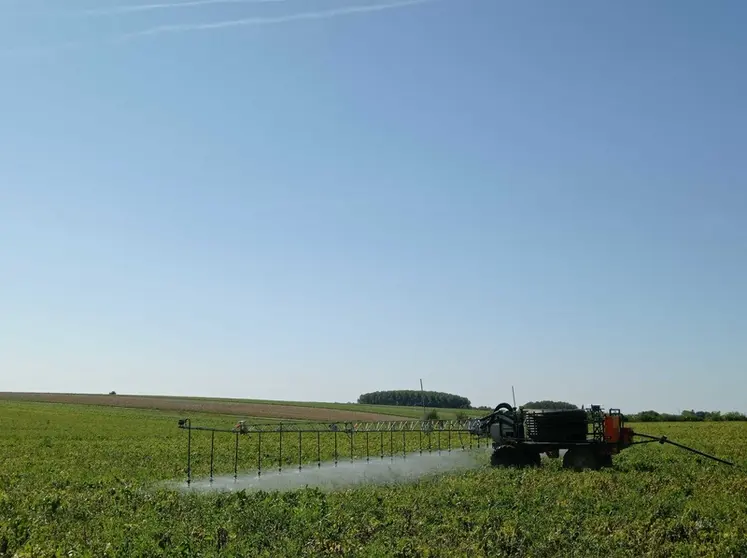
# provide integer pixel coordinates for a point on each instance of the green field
(84, 481)
(248, 408)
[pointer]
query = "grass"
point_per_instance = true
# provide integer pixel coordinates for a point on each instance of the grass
(83, 481)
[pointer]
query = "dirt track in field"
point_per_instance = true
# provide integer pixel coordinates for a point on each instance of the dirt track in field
(259, 410)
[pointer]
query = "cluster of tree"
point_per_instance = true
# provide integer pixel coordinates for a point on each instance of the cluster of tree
(441, 400)
(550, 405)
(694, 416)
(411, 397)
(544, 404)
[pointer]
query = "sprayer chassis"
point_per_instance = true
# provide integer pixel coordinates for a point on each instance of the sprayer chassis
(578, 455)
(589, 437)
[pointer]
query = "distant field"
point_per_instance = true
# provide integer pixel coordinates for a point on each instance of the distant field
(286, 410)
(237, 408)
(394, 410)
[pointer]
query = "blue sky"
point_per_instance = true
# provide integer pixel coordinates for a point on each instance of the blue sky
(478, 193)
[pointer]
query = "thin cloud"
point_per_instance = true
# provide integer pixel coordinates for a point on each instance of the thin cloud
(41, 51)
(262, 21)
(185, 28)
(169, 5)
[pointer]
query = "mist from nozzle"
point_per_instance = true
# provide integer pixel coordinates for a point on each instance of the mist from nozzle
(330, 477)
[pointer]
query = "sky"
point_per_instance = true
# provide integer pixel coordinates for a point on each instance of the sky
(314, 199)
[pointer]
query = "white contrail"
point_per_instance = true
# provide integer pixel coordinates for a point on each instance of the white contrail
(170, 5)
(261, 21)
(41, 51)
(248, 22)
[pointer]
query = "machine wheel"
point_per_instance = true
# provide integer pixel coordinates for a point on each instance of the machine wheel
(581, 458)
(511, 456)
(504, 456)
(605, 460)
(532, 458)
(507, 456)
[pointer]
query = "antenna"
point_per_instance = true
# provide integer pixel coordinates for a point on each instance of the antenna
(513, 393)
(422, 397)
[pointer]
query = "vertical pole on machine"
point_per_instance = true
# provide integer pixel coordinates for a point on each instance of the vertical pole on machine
(381, 435)
(212, 453)
(449, 438)
(404, 443)
(318, 449)
(280, 452)
(299, 450)
(367, 454)
(439, 441)
(189, 452)
(352, 433)
(236, 458)
(422, 397)
(259, 453)
(391, 443)
(335, 447)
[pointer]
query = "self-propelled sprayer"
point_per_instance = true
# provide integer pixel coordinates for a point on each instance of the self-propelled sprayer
(588, 438)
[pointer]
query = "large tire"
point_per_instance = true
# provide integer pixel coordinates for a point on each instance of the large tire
(532, 458)
(505, 456)
(511, 456)
(605, 460)
(581, 458)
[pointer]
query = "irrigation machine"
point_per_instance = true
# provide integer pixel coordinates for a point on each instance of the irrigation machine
(588, 439)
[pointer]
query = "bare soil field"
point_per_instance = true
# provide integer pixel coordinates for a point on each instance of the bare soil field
(259, 410)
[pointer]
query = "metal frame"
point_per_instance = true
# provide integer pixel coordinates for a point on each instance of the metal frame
(449, 435)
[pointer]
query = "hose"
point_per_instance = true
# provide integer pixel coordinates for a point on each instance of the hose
(665, 440)
(506, 407)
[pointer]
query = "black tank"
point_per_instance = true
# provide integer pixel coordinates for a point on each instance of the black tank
(556, 425)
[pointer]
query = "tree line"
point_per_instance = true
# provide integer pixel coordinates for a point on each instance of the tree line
(544, 404)
(652, 416)
(686, 416)
(550, 405)
(442, 400)
(414, 398)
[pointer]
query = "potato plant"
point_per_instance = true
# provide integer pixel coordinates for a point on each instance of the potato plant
(86, 481)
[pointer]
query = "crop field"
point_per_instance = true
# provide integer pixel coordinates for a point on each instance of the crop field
(293, 410)
(86, 480)
(235, 407)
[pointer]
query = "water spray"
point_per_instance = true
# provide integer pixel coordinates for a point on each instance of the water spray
(350, 439)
